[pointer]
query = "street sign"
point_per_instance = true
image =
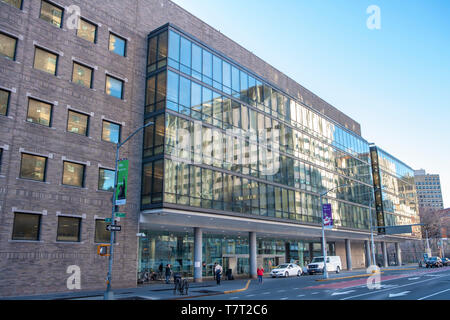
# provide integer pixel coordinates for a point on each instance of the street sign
(113, 228)
(327, 216)
(120, 215)
(109, 220)
(122, 183)
(398, 229)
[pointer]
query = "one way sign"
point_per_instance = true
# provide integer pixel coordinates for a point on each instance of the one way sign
(110, 227)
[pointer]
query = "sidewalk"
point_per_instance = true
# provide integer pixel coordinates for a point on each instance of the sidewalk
(154, 291)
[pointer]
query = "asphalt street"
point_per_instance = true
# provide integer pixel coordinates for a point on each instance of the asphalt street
(416, 284)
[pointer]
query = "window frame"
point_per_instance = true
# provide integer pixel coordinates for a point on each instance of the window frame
(83, 182)
(38, 225)
(21, 4)
(56, 6)
(118, 79)
(7, 102)
(44, 179)
(80, 220)
(120, 131)
(95, 232)
(51, 112)
(91, 23)
(125, 51)
(91, 82)
(15, 45)
(87, 122)
(36, 48)
(98, 182)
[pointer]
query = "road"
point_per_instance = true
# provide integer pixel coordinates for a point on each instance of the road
(415, 284)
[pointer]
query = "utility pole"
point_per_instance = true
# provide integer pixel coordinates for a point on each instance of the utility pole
(109, 295)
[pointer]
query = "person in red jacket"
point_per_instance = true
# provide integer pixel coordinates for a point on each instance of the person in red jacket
(260, 272)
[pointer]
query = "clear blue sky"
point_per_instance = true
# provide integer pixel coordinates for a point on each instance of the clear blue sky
(394, 81)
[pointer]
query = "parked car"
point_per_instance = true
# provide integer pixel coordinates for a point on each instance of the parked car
(434, 262)
(334, 264)
(286, 270)
(445, 262)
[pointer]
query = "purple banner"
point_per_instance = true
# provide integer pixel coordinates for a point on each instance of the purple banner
(327, 216)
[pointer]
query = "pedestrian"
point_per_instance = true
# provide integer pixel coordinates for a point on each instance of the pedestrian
(160, 270)
(260, 272)
(214, 270)
(168, 273)
(218, 272)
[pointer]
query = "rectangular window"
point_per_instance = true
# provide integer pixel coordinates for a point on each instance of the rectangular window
(117, 45)
(106, 179)
(4, 102)
(114, 87)
(51, 13)
(77, 123)
(111, 132)
(14, 3)
(33, 167)
(39, 112)
(82, 75)
(8, 46)
(87, 31)
(68, 229)
(174, 48)
(45, 61)
(26, 226)
(73, 174)
(101, 234)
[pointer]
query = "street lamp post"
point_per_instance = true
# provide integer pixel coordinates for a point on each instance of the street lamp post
(324, 242)
(109, 295)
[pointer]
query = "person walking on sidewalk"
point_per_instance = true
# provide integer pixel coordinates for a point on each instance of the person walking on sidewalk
(168, 273)
(260, 272)
(218, 272)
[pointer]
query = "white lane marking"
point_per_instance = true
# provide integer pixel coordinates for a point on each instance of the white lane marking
(434, 294)
(342, 293)
(301, 295)
(250, 295)
(401, 294)
(266, 293)
(414, 278)
(315, 293)
(281, 291)
(405, 285)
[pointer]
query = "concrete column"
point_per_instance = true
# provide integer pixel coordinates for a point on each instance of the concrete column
(367, 248)
(253, 255)
(398, 254)
(348, 252)
(385, 256)
(198, 254)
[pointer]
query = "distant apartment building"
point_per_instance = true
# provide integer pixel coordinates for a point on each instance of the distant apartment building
(429, 192)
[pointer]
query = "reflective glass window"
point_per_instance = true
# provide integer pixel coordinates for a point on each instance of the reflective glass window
(39, 112)
(117, 44)
(217, 72)
(235, 79)
(111, 132)
(51, 13)
(4, 102)
(185, 55)
(101, 234)
(33, 167)
(106, 179)
(226, 75)
(82, 75)
(26, 226)
(73, 174)
(14, 3)
(77, 123)
(45, 61)
(87, 31)
(8, 46)
(185, 95)
(174, 46)
(68, 229)
(172, 87)
(114, 87)
(196, 61)
(207, 67)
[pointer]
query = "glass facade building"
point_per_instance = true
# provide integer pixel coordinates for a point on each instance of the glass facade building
(395, 193)
(224, 140)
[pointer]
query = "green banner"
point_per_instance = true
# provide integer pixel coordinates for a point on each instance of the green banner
(122, 183)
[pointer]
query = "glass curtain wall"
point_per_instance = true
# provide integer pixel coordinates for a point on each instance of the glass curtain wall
(221, 121)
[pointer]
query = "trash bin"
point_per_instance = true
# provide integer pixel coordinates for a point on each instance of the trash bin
(229, 274)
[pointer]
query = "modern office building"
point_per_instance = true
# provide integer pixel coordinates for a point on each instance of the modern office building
(429, 191)
(230, 171)
(395, 192)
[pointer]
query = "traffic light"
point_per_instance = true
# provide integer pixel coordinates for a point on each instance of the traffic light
(102, 250)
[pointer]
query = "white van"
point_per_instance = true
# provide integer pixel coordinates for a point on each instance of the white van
(334, 264)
